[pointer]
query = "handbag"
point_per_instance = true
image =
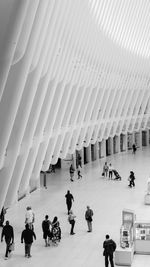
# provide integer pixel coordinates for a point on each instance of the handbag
(12, 246)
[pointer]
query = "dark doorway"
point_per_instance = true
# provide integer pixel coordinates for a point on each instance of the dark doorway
(85, 156)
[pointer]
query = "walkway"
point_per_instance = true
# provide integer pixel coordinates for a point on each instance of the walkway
(106, 198)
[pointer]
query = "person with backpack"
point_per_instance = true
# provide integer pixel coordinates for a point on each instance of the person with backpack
(109, 247)
(131, 179)
(46, 230)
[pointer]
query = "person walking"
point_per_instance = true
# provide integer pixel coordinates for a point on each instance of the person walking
(79, 172)
(131, 179)
(69, 198)
(2, 216)
(109, 247)
(110, 169)
(88, 217)
(71, 171)
(29, 217)
(79, 160)
(105, 169)
(8, 233)
(27, 236)
(46, 230)
(134, 149)
(71, 219)
(56, 231)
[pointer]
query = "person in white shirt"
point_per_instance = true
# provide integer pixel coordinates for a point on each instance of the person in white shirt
(29, 217)
(71, 219)
(110, 171)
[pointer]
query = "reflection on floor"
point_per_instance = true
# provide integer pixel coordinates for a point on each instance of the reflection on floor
(106, 198)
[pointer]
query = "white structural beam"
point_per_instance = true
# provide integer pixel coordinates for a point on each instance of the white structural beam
(71, 73)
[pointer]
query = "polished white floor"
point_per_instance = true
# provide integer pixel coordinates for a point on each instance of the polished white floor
(106, 198)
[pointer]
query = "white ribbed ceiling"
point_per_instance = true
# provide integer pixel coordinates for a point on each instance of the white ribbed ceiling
(127, 22)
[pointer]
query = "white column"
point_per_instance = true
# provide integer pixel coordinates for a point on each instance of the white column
(12, 14)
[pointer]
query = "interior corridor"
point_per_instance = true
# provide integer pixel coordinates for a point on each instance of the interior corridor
(106, 198)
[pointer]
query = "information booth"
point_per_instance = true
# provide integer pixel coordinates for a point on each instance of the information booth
(125, 251)
(134, 238)
(142, 237)
(147, 196)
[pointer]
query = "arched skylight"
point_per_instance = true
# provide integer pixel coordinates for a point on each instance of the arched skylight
(127, 22)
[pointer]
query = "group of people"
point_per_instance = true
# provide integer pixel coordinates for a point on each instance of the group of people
(79, 168)
(108, 170)
(51, 231)
(72, 172)
(71, 217)
(109, 245)
(27, 235)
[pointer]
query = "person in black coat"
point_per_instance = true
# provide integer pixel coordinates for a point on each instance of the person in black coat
(131, 179)
(8, 233)
(69, 198)
(2, 216)
(134, 148)
(46, 230)
(27, 236)
(88, 217)
(109, 247)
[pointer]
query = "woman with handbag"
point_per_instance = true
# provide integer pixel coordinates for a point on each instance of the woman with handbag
(88, 217)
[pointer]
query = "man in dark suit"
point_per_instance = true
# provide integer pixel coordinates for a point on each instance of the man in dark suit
(109, 247)
(8, 233)
(27, 236)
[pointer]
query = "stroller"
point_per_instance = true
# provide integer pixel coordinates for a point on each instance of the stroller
(55, 235)
(117, 176)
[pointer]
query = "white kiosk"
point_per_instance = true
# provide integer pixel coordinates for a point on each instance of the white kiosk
(147, 196)
(142, 237)
(124, 253)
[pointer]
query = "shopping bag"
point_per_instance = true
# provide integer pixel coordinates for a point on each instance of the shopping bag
(12, 246)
